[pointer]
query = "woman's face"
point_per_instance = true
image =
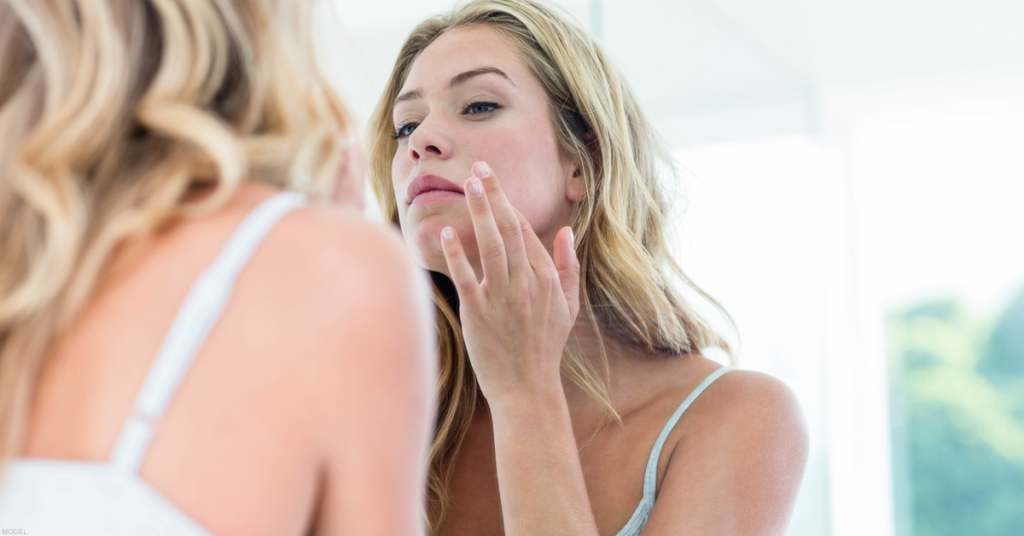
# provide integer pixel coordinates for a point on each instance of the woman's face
(469, 97)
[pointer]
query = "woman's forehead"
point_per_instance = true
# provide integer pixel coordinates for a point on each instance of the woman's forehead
(461, 50)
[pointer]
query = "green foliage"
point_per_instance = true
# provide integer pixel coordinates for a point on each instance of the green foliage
(956, 387)
(1004, 353)
(1003, 359)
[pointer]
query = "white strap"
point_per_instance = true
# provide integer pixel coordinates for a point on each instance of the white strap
(199, 313)
(643, 511)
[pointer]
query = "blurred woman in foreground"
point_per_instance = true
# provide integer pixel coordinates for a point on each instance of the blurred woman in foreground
(186, 347)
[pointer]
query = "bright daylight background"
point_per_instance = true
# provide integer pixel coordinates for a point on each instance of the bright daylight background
(853, 178)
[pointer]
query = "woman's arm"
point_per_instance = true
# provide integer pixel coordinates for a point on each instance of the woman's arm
(516, 321)
(539, 474)
(740, 474)
(376, 387)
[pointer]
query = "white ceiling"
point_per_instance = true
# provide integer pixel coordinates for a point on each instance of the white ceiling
(707, 70)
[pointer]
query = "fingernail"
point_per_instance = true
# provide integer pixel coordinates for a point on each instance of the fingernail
(476, 187)
(482, 170)
(572, 238)
(447, 234)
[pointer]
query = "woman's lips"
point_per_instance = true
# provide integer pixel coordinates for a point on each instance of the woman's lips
(427, 188)
(434, 195)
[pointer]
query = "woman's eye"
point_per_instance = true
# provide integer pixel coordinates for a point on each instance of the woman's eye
(404, 130)
(481, 107)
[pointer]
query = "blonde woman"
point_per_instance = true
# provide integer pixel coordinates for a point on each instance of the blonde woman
(574, 399)
(187, 346)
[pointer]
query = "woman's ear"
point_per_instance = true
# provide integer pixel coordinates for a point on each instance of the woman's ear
(590, 138)
(577, 187)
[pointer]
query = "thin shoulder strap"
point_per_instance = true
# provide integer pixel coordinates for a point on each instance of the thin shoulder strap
(199, 313)
(643, 511)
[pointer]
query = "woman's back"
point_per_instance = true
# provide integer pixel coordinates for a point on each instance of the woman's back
(270, 425)
(135, 139)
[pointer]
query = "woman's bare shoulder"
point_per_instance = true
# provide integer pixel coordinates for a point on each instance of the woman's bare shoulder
(739, 405)
(336, 264)
(337, 243)
(346, 295)
(745, 399)
(752, 384)
(743, 445)
(343, 319)
(737, 396)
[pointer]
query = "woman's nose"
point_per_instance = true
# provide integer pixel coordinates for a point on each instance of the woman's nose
(429, 141)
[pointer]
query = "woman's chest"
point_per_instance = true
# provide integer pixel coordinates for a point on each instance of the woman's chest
(613, 467)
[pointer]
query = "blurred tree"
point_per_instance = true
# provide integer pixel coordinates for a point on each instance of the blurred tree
(1003, 360)
(955, 387)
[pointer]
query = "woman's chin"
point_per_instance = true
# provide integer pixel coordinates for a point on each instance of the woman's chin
(434, 263)
(425, 246)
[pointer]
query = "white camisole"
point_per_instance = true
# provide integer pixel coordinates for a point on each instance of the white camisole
(48, 497)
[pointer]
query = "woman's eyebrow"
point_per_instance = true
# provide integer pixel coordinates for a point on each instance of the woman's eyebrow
(464, 77)
(408, 95)
(460, 78)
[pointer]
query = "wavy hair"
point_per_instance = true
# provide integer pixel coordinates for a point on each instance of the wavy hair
(112, 115)
(630, 284)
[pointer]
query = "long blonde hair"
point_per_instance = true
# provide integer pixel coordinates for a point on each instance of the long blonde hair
(628, 277)
(111, 113)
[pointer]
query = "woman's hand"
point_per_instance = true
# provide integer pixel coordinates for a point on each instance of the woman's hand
(350, 179)
(517, 319)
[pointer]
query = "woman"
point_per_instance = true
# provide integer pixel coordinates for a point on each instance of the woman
(185, 347)
(557, 301)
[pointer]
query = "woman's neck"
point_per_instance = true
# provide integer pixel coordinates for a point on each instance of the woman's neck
(587, 342)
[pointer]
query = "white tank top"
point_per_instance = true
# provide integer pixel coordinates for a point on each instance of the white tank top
(46, 497)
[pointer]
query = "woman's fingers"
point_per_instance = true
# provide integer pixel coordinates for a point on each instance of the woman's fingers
(505, 217)
(508, 246)
(568, 267)
(489, 241)
(458, 265)
(564, 263)
(536, 254)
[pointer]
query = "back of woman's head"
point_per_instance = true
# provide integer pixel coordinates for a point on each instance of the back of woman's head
(113, 115)
(630, 284)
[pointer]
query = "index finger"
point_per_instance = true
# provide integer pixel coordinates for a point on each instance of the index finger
(506, 218)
